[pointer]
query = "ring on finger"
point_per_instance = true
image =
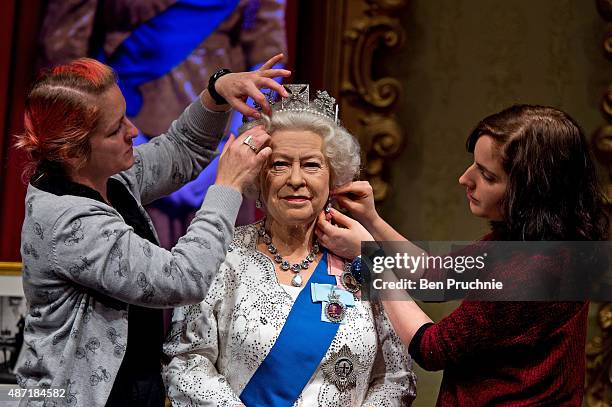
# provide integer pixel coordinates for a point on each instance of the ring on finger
(249, 142)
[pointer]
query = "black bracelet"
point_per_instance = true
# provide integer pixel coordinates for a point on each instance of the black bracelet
(219, 100)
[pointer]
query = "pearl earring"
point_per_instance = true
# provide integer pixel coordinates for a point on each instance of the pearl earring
(328, 206)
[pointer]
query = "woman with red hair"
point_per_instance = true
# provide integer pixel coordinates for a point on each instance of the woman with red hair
(94, 276)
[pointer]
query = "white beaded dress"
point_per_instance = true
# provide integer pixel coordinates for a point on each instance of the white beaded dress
(216, 346)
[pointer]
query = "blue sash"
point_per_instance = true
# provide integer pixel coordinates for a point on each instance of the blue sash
(296, 354)
(155, 47)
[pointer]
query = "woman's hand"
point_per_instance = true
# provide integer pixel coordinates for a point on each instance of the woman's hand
(239, 164)
(237, 87)
(343, 239)
(358, 198)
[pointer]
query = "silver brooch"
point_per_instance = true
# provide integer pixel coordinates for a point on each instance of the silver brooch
(342, 368)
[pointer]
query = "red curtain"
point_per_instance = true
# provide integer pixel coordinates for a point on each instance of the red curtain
(20, 22)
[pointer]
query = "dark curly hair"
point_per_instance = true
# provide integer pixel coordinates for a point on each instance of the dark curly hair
(553, 192)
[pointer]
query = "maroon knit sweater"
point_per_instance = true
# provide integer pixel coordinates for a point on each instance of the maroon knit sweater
(508, 353)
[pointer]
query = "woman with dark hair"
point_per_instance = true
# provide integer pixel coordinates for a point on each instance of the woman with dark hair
(552, 191)
(534, 179)
(94, 275)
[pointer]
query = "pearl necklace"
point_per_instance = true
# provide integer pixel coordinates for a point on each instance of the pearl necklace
(285, 265)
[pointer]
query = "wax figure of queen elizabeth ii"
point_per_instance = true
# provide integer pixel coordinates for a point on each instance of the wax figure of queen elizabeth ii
(278, 326)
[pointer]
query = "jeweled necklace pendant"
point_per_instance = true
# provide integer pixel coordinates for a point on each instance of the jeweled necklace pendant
(335, 310)
(296, 281)
(285, 265)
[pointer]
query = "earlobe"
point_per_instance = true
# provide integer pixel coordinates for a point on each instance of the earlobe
(329, 203)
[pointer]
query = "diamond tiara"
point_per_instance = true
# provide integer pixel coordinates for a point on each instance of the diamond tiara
(299, 101)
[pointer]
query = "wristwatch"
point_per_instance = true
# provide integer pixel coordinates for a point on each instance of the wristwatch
(219, 100)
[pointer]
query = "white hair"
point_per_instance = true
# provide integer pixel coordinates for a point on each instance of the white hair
(339, 147)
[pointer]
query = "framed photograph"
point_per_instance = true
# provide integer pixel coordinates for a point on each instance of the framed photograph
(13, 309)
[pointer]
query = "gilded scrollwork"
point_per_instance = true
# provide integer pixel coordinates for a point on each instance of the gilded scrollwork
(382, 138)
(605, 9)
(372, 101)
(599, 361)
(364, 37)
(388, 5)
(606, 103)
(380, 135)
(599, 349)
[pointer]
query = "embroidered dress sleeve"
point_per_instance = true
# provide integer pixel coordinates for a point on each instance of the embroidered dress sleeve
(392, 382)
(191, 377)
(171, 160)
(92, 246)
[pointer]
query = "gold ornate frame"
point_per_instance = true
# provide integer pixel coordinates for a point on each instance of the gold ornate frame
(348, 34)
(352, 33)
(10, 268)
(599, 349)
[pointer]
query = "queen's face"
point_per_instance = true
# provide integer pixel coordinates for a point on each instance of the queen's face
(295, 180)
(485, 180)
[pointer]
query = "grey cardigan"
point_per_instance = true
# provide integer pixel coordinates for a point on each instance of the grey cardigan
(82, 263)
